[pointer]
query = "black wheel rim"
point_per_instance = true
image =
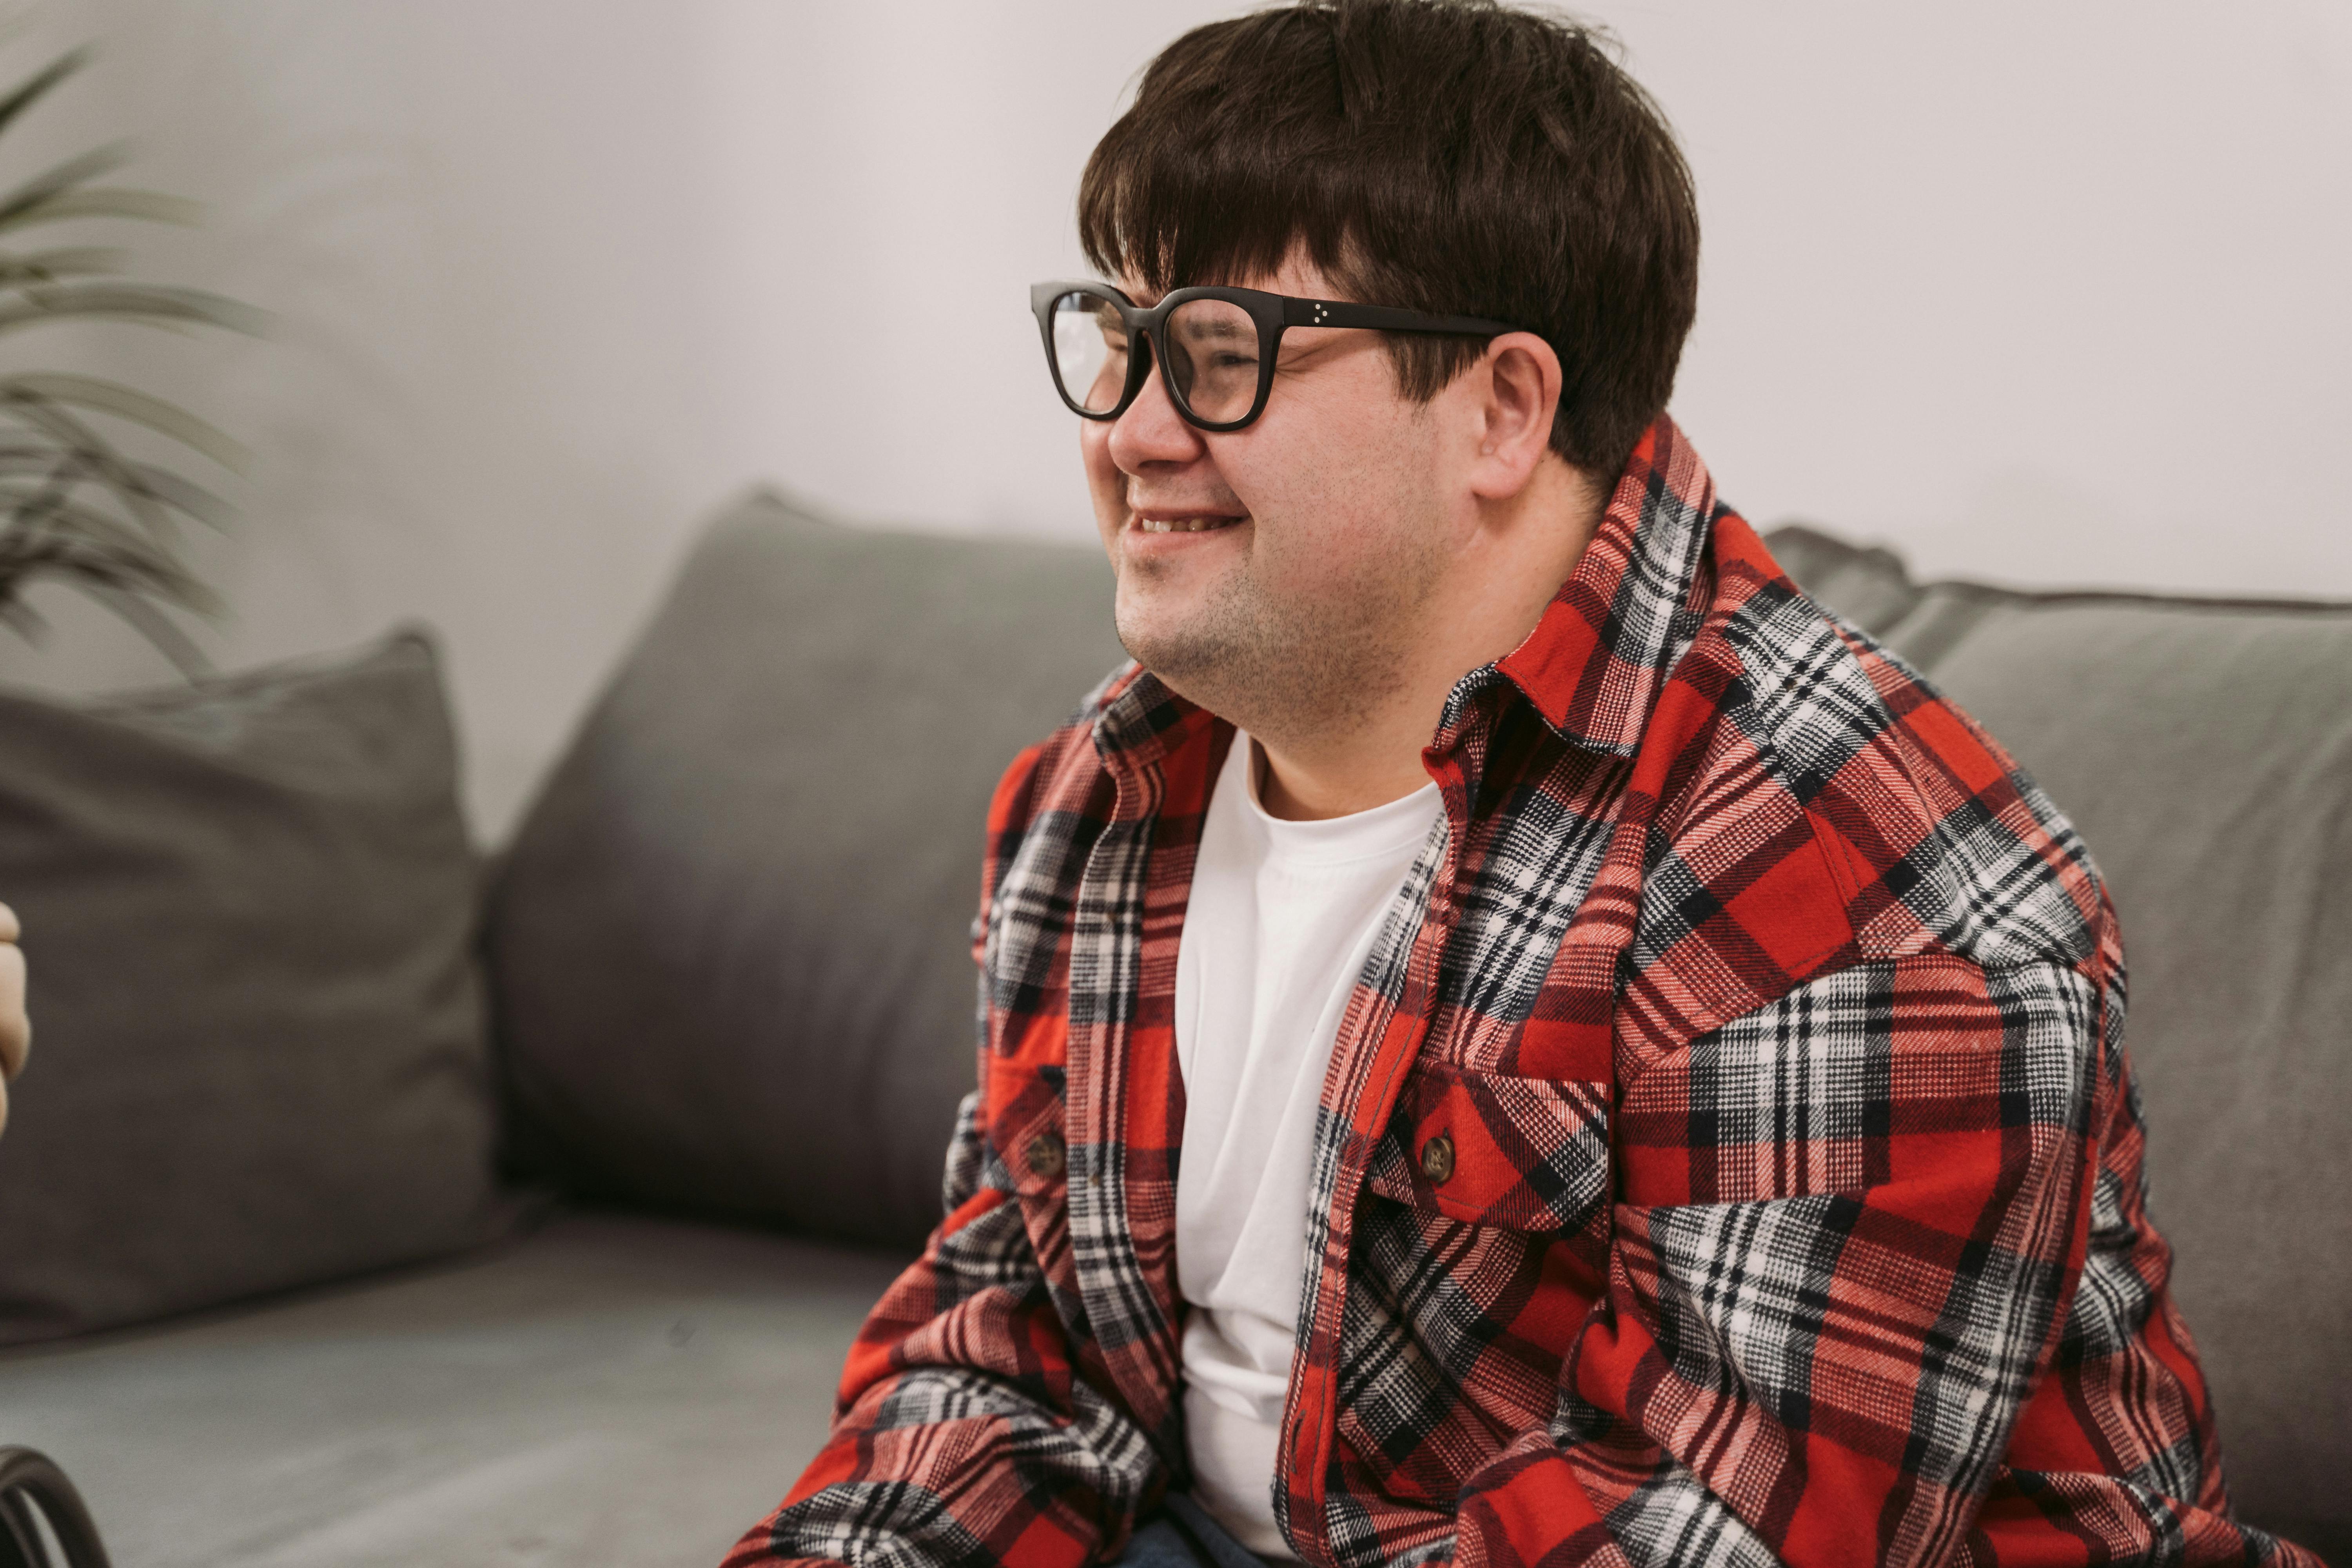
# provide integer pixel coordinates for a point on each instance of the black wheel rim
(33, 1489)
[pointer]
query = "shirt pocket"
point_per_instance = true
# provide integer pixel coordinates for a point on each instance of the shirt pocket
(1496, 1149)
(1025, 1114)
(1481, 1240)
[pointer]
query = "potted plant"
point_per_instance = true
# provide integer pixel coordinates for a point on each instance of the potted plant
(74, 506)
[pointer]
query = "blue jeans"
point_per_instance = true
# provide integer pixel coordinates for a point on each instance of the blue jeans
(1159, 1541)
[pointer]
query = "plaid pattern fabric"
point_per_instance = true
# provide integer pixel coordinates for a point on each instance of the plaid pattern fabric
(1788, 1207)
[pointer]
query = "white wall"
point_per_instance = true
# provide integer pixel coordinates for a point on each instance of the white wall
(2046, 293)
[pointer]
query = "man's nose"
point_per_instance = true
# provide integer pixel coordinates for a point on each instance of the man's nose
(1152, 432)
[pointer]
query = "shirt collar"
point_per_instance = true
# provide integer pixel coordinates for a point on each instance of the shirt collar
(1600, 655)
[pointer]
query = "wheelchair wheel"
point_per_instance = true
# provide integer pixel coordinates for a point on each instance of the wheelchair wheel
(34, 1492)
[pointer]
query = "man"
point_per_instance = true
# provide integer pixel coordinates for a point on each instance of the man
(1509, 1036)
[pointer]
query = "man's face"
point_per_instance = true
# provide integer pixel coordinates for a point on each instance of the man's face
(1273, 574)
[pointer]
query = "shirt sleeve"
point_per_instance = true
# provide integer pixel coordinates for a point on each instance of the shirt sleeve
(1846, 1317)
(962, 1433)
(965, 1432)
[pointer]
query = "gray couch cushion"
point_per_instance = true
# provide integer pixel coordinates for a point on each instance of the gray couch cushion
(608, 1391)
(730, 947)
(260, 1055)
(2204, 748)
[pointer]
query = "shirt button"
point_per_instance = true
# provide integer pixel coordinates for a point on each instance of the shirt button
(1437, 1158)
(1047, 1155)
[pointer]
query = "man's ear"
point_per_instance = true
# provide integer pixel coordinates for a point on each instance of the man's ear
(1515, 392)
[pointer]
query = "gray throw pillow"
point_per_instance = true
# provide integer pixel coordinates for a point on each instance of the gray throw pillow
(260, 1054)
(730, 947)
(2204, 749)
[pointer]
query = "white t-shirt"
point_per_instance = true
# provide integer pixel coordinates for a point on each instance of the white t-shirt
(1281, 922)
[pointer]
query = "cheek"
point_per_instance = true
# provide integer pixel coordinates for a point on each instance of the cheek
(1340, 497)
(1349, 516)
(1105, 484)
(1094, 452)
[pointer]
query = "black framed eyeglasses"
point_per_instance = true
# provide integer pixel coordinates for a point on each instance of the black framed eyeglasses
(1215, 345)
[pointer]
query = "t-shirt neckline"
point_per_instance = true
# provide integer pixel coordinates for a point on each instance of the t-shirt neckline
(1377, 832)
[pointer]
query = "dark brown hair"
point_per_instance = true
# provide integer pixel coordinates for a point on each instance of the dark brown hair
(1443, 155)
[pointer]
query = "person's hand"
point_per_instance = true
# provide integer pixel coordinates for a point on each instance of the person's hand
(15, 1028)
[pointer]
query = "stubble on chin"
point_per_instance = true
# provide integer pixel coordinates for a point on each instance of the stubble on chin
(1280, 666)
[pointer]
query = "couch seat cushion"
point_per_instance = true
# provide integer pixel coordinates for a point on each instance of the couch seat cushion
(609, 1390)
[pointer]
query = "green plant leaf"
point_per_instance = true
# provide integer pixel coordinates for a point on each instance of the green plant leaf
(76, 171)
(151, 482)
(21, 617)
(71, 506)
(131, 482)
(36, 86)
(158, 629)
(113, 397)
(107, 201)
(126, 584)
(59, 262)
(147, 303)
(79, 452)
(34, 498)
(66, 552)
(33, 513)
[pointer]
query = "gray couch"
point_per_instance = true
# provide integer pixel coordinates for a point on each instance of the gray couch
(724, 964)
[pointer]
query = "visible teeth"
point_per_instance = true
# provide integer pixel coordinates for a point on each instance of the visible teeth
(1180, 525)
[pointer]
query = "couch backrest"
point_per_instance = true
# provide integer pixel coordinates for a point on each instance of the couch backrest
(729, 946)
(2204, 749)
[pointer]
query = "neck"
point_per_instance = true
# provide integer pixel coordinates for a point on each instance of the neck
(1506, 565)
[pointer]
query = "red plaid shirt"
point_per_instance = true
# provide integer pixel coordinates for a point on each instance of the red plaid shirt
(1773, 1018)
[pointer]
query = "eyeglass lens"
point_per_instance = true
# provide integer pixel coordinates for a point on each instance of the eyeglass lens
(1212, 356)
(1089, 352)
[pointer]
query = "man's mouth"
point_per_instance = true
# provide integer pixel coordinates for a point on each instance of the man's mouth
(1197, 523)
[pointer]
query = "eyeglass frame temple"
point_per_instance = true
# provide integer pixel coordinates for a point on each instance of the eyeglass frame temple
(1301, 313)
